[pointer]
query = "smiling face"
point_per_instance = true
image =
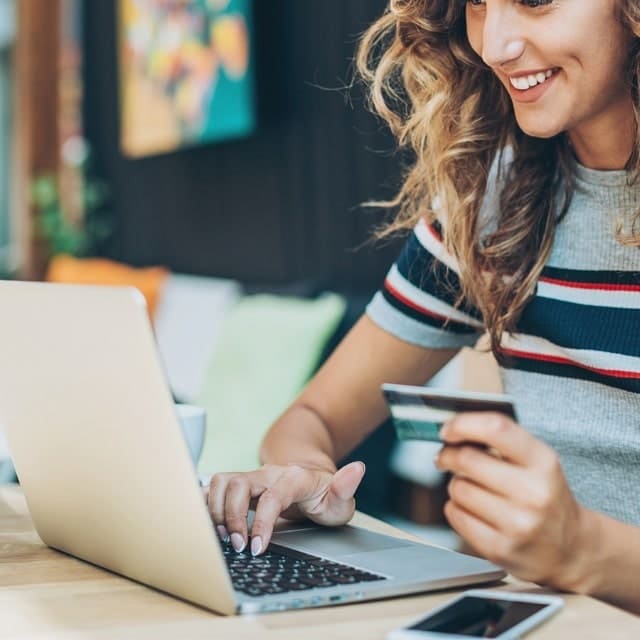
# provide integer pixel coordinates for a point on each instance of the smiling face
(562, 61)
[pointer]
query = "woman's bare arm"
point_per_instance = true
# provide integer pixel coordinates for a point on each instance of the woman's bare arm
(343, 404)
(339, 407)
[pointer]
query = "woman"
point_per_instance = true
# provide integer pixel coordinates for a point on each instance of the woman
(523, 119)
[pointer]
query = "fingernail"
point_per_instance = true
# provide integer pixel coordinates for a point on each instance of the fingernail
(256, 545)
(223, 533)
(237, 542)
(444, 430)
(364, 467)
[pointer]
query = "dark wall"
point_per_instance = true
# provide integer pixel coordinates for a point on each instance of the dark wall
(281, 205)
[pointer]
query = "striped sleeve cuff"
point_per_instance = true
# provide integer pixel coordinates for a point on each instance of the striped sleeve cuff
(405, 328)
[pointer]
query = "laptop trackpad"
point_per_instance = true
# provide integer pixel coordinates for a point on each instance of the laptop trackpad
(333, 542)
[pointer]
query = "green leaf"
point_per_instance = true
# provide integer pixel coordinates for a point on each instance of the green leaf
(51, 222)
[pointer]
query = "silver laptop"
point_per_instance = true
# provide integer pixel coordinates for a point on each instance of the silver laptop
(108, 478)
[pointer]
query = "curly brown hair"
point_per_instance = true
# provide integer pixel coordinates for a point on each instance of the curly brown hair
(447, 106)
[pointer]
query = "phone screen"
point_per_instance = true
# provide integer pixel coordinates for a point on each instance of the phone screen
(479, 617)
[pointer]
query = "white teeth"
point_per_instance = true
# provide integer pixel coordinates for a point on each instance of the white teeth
(523, 83)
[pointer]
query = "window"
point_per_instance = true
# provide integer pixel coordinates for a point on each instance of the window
(7, 31)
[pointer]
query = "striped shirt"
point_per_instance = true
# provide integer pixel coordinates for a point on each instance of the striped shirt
(573, 363)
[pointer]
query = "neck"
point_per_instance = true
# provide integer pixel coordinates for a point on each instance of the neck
(606, 142)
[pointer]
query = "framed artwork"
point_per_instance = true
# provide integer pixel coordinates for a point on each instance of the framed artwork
(186, 73)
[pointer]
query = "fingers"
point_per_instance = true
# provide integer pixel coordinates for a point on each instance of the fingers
(215, 502)
(477, 533)
(324, 497)
(340, 503)
(271, 504)
(228, 501)
(492, 509)
(498, 476)
(347, 479)
(491, 543)
(277, 487)
(236, 508)
(494, 430)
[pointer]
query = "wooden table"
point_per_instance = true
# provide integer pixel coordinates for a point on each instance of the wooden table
(46, 594)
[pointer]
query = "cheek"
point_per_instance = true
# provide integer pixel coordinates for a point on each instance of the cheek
(474, 34)
(602, 77)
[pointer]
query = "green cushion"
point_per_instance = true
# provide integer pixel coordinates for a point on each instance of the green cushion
(268, 348)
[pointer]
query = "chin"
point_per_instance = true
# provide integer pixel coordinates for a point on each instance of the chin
(535, 129)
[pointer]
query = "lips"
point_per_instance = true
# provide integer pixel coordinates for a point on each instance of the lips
(532, 90)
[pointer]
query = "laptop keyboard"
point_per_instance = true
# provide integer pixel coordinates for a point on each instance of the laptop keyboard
(282, 570)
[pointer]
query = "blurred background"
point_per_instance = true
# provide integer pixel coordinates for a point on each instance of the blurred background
(214, 153)
(285, 183)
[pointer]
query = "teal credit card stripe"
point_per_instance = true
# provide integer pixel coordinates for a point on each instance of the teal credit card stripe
(417, 430)
(419, 422)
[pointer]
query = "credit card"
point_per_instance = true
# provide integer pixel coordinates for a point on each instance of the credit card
(418, 413)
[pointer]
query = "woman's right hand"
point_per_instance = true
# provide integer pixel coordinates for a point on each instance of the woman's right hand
(323, 496)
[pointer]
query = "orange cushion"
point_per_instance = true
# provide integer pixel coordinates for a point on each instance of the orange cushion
(149, 280)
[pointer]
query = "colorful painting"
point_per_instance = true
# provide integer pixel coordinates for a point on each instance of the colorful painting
(185, 73)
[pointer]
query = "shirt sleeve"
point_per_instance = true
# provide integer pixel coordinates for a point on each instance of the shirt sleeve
(417, 301)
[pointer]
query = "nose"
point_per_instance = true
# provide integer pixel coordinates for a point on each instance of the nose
(502, 41)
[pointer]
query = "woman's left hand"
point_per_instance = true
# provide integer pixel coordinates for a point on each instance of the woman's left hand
(510, 501)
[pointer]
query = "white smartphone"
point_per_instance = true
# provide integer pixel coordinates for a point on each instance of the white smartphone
(479, 613)
(418, 413)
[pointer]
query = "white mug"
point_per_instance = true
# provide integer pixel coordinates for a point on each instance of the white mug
(193, 421)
